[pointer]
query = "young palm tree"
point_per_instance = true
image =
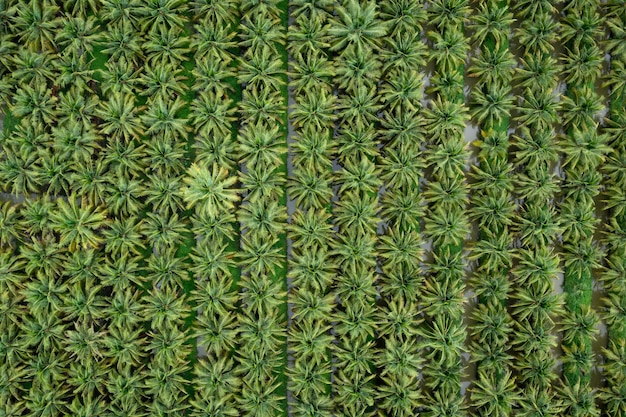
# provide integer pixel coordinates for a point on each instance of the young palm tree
(260, 31)
(123, 42)
(78, 223)
(213, 114)
(213, 43)
(262, 71)
(124, 236)
(211, 189)
(166, 46)
(357, 24)
(309, 36)
(162, 82)
(79, 34)
(164, 232)
(120, 119)
(35, 104)
(212, 260)
(35, 23)
(163, 119)
(120, 77)
(162, 14)
(32, 68)
(261, 146)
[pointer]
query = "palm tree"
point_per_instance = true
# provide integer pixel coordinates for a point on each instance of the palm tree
(213, 114)
(310, 189)
(449, 15)
(312, 269)
(220, 13)
(495, 65)
(124, 309)
(538, 109)
(308, 36)
(310, 228)
(78, 224)
(252, 7)
(217, 377)
(263, 107)
(213, 42)
(261, 146)
(308, 378)
(259, 399)
(165, 269)
(212, 76)
(119, 117)
(312, 8)
(166, 46)
(360, 107)
(260, 255)
(493, 104)
(9, 224)
(311, 71)
(122, 41)
(163, 192)
(163, 118)
(445, 119)
(404, 51)
(359, 177)
(162, 14)
(36, 24)
(539, 72)
(120, 77)
(262, 296)
(78, 108)
(120, 12)
(164, 232)
(31, 67)
(19, 171)
(165, 156)
(36, 104)
(315, 109)
(124, 236)
(213, 226)
(583, 65)
(357, 212)
(263, 218)
(449, 49)
(447, 227)
(79, 34)
(162, 82)
(357, 68)
(210, 188)
(213, 261)
(123, 196)
(260, 31)
(357, 24)
(495, 394)
(492, 21)
(263, 71)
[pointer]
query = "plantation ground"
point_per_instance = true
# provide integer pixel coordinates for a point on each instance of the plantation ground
(313, 208)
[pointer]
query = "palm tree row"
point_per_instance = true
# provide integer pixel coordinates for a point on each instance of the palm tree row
(493, 392)
(355, 38)
(262, 150)
(213, 194)
(613, 394)
(398, 355)
(536, 308)
(584, 149)
(311, 267)
(446, 220)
